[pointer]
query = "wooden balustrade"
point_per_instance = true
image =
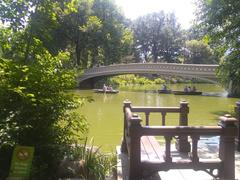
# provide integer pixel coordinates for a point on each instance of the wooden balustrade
(136, 136)
(182, 143)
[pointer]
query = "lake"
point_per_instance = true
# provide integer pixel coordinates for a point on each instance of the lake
(105, 114)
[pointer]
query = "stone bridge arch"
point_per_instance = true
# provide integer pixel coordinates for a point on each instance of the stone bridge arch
(199, 71)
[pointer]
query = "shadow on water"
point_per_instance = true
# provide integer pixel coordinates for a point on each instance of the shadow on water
(219, 113)
(215, 94)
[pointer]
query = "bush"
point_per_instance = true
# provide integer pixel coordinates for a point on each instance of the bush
(130, 79)
(36, 111)
(87, 162)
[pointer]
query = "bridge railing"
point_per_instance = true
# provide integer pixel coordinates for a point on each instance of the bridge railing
(166, 66)
(163, 68)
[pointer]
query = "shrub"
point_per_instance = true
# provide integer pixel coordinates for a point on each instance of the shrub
(87, 162)
(36, 111)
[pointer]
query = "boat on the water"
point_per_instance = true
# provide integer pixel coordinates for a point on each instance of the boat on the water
(187, 92)
(106, 91)
(163, 91)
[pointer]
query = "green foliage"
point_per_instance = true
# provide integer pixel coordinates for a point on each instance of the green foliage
(36, 104)
(229, 73)
(36, 109)
(198, 52)
(130, 79)
(94, 32)
(158, 36)
(221, 19)
(92, 164)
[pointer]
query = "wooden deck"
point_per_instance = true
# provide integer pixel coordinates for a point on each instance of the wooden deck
(208, 147)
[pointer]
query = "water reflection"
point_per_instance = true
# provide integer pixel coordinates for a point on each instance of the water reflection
(106, 117)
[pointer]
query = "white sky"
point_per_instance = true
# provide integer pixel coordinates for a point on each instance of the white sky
(183, 9)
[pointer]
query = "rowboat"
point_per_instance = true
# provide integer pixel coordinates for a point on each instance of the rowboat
(161, 91)
(107, 91)
(187, 93)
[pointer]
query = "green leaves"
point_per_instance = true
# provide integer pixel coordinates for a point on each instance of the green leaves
(35, 105)
(221, 18)
(198, 52)
(158, 37)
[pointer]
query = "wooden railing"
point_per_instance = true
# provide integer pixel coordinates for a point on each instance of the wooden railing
(182, 144)
(134, 131)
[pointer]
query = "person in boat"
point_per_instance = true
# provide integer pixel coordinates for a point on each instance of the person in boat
(185, 89)
(194, 89)
(164, 87)
(110, 88)
(104, 87)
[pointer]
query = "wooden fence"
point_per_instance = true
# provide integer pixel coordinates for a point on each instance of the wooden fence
(137, 136)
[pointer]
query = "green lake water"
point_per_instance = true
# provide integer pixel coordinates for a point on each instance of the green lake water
(105, 114)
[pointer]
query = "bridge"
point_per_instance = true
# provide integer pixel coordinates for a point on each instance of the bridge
(204, 72)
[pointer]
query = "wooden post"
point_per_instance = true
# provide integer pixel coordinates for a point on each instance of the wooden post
(164, 118)
(227, 147)
(194, 155)
(168, 157)
(147, 118)
(135, 171)
(182, 143)
(237, 110)
(126, 104)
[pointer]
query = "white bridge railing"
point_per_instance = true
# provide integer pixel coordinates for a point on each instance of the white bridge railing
(202, 71)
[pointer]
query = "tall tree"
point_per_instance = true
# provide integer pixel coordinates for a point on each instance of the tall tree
(198, 52)
(221, 18)
(158, 36)
(116, 38)
(94, 32)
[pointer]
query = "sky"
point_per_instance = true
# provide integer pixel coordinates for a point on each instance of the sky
(183, 9)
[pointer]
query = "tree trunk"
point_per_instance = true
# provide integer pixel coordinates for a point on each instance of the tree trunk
(233, 89)
(154, 53)
(78, 52)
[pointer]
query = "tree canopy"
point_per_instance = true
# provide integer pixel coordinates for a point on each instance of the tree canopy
(94, 32)
(158, 36)
(198, 52)
(221, 19)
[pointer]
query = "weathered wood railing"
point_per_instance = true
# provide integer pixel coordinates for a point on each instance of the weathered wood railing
(182, 143)
(134, 139)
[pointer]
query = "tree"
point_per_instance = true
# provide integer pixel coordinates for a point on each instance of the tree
(95, 32)
(221, 18)
(142, 38)
(198, 52)
(158, 35)
(115, 38)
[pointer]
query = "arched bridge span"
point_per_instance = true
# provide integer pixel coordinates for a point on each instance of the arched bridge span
(200, 71)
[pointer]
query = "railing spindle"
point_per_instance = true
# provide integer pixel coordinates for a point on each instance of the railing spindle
(194, 155)
(147, 118)
(168, 157)
(164, 118)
